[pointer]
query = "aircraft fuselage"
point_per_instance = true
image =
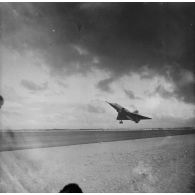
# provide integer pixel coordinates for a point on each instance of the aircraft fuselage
(125, 114)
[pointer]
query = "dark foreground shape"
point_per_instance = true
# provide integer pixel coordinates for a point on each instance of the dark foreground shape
(71, 188)
(1, 101)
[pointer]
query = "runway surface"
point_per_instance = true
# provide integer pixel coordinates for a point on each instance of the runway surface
(18, 140)
(159, 164)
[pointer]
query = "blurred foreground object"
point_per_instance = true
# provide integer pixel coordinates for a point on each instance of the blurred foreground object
(71, 188)
(1, 101)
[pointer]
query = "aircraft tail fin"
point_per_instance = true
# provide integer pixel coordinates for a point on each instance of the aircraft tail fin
(136, 112)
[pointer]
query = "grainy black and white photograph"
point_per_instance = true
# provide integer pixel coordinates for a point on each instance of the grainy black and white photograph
(97, 97)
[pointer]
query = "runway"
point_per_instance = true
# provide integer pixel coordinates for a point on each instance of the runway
(17, 140)
(161, 164)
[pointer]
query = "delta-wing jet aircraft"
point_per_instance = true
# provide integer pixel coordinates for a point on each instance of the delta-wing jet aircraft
(124, 114)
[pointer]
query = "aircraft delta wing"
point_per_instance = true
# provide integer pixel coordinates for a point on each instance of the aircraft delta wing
(130, 116)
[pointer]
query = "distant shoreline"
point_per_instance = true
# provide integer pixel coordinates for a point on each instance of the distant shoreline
(17, 140)
(96, 129)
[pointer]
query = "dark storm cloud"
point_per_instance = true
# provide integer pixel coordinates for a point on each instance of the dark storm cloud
(178, 92)
(33, 86)
(125, 37)
(95, 5)
(186, 92)
(160, 90)
(60, 83)
(131, 95)
(104, 85)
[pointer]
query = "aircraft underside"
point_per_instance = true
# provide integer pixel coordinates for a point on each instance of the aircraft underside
(121, 121)
(125, 117)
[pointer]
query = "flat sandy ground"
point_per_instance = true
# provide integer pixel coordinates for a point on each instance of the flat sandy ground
(164, 164)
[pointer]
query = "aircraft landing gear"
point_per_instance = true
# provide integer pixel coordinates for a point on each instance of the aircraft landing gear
(121, 122)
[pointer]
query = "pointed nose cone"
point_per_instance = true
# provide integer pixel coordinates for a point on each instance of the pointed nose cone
(112, 104)
(116, 106)
(109, 103)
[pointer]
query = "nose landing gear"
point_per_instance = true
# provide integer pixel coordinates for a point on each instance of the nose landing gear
(121, 122)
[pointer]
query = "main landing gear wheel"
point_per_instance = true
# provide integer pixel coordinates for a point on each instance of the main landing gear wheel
(121, 122)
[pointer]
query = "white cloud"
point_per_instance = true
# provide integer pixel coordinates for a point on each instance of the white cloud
(58, 106)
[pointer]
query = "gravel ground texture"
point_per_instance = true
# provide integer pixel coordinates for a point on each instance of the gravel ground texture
(163, 164)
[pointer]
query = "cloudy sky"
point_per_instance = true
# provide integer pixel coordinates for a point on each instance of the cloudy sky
(61, 61)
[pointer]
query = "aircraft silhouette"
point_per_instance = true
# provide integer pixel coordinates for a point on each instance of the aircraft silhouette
(124, 114)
